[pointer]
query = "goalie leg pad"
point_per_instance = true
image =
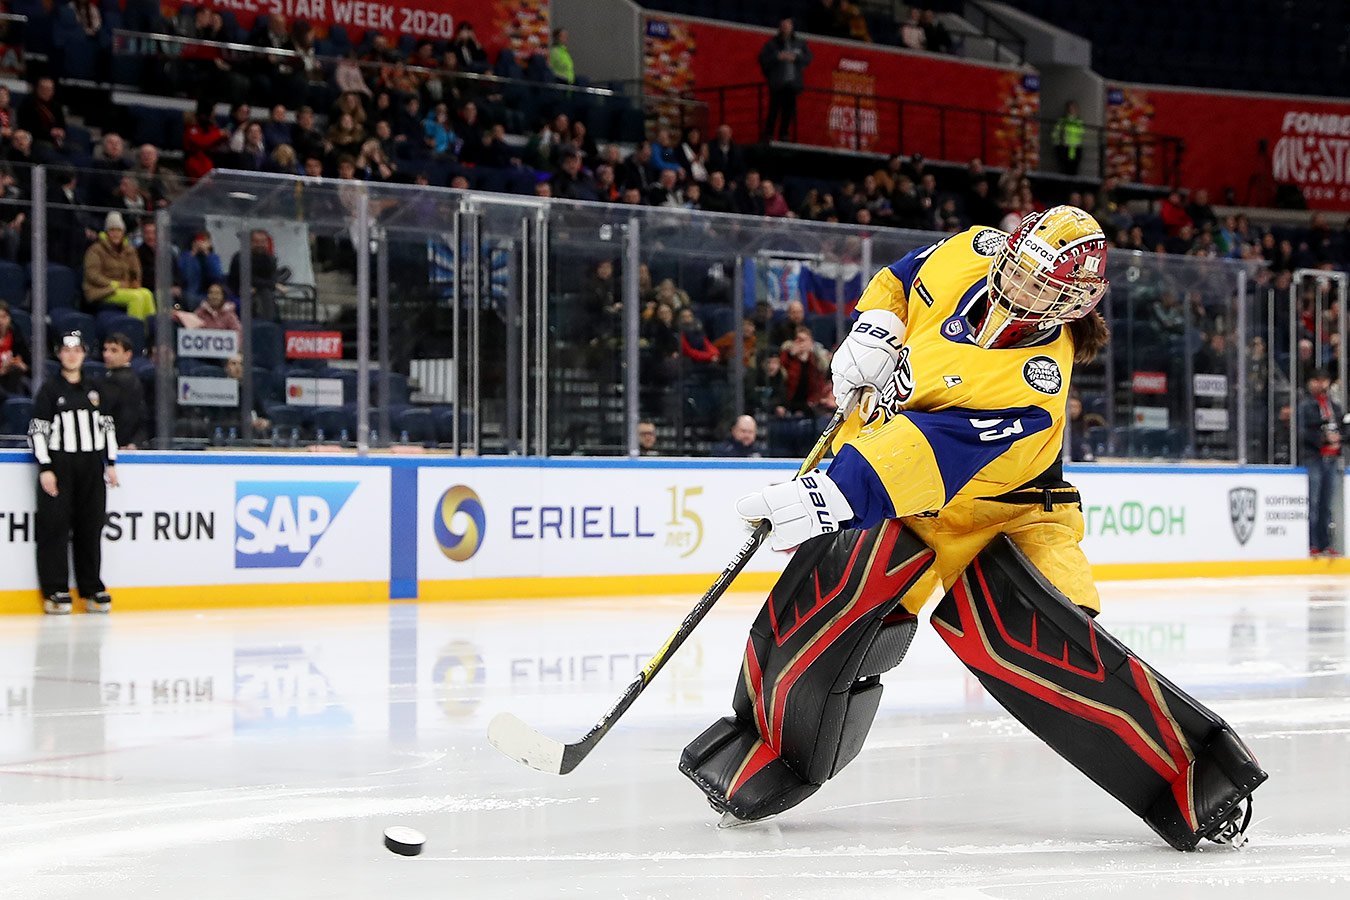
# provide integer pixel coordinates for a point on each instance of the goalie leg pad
(810, 685)
(1146, 742)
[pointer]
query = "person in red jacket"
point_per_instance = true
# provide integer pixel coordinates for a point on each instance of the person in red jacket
(694, 341)
(806, 366)
(1173, 213)
(201, 138)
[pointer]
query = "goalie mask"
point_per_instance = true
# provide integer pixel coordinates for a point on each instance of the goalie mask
(1050, 272)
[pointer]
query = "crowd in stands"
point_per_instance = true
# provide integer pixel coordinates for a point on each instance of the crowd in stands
(391, 112)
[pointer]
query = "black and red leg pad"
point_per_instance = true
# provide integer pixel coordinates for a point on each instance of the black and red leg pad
(1138, 736)
(810, 685)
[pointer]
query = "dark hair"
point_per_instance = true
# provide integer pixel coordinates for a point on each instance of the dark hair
(1318, 372)
(120, 340)
(1090, 335)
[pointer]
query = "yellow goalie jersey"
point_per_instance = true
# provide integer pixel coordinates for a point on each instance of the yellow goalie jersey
(965, 421)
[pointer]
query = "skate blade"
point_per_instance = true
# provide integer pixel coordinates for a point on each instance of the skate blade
(730, 821)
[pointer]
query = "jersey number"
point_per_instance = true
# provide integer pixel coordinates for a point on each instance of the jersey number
(990, 431)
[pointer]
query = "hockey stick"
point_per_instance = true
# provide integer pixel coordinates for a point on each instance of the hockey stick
(522, 743)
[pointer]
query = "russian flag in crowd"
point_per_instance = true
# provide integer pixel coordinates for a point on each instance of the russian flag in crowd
(819, 287)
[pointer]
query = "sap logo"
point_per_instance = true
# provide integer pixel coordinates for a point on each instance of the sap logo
(278, 523)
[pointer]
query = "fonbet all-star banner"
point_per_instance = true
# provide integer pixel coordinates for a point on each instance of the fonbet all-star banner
(521, 25)
(1248, 143)
(851, 88)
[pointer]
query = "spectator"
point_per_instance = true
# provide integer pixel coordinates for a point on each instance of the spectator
(646, 439)
(694, 343)
(131, 202)
(606, 188)
(750, 197)
(912, 34)
(105, 187)
(543, 145)
(252, 153)
(15, 357)
(201, 267)
(741, 444)
(665, 155)
(278, 75)
(41, 114)
(806, 368)
(638, 171)
(112, 271)
(374, 165)
(1080, 448)
(726, 344)
(283, 160)
(1212, 358)
(469, 54)
(1068, 139)
(1319, 426)
(1201, 213)
(345, 137)
(305, 136)
(470, 131)
(572, 182)
(68, 232)
(1182, 242)
(216, 312)
(264, 275)
(234, 368)
(771, 388)
(439, 135)
(160, 185)
(1173, 214)
(716, 197)
(146, 251)
(783, 59)
(120, 395)
(12, 216)
(201, 140)
(783, 331)
(694, 155)
(579, 136)
(348, 78)
(980, 207)
(560, 58)
(665, 192)
(1168, 313)
(775, 205)
(725, 155)
(277, 131)
(937, 39)
(7, 117)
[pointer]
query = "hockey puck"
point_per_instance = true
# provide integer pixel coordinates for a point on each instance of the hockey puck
(403, 840)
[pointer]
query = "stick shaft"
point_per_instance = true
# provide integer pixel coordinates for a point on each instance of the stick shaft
(573, 754)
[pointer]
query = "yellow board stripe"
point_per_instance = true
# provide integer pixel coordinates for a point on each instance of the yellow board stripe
(291, 594)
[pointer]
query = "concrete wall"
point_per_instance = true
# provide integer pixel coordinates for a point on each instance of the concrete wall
(603, 35)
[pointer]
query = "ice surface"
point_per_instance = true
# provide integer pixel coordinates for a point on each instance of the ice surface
(262, 753)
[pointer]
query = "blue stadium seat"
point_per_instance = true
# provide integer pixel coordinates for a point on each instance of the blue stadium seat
(94, 372)
(23, 322)
(132, 327)
(63, 287)
(15, 415)
(269, 345)
(64, 320)
(285, 417)
(13, 284)
(333, 420)
(418, 424)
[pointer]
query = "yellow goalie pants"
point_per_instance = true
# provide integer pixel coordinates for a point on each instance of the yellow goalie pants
(1049, 540)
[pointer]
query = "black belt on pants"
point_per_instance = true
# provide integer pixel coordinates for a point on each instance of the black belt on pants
(1049, 498)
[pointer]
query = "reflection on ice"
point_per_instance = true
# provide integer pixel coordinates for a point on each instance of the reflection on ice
(264, 752)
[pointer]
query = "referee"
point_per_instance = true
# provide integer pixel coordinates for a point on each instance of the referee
(76, 450)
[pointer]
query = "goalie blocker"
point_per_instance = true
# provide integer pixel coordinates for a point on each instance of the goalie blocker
(810, 687)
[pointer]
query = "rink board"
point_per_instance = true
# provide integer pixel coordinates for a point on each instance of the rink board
(239, 529)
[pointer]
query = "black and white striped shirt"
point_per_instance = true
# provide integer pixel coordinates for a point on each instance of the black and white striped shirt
(66, 420)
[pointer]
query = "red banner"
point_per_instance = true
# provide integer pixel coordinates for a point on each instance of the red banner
(521, 25)
(314, 345)
(857, 97)
(1249, 144)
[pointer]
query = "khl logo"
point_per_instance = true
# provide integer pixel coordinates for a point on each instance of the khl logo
(1242, 512)
(278, 523)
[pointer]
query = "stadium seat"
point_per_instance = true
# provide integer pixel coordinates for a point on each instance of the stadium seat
(63, 320)
(94, 372)
(23, 322)
(332, 421)
(15, 415)
(63, 287)
(132, 327)
(417, 424)
(13, 285)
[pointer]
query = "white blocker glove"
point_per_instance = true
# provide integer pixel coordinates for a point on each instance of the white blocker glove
(867, 357)
(797, 510)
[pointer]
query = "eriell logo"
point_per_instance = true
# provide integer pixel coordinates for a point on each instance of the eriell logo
(277, 524)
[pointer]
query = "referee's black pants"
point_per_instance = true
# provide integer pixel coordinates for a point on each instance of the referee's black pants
(74, 516)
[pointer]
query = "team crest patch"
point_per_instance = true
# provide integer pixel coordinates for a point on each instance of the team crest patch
(988, 241)
(1042, 373)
